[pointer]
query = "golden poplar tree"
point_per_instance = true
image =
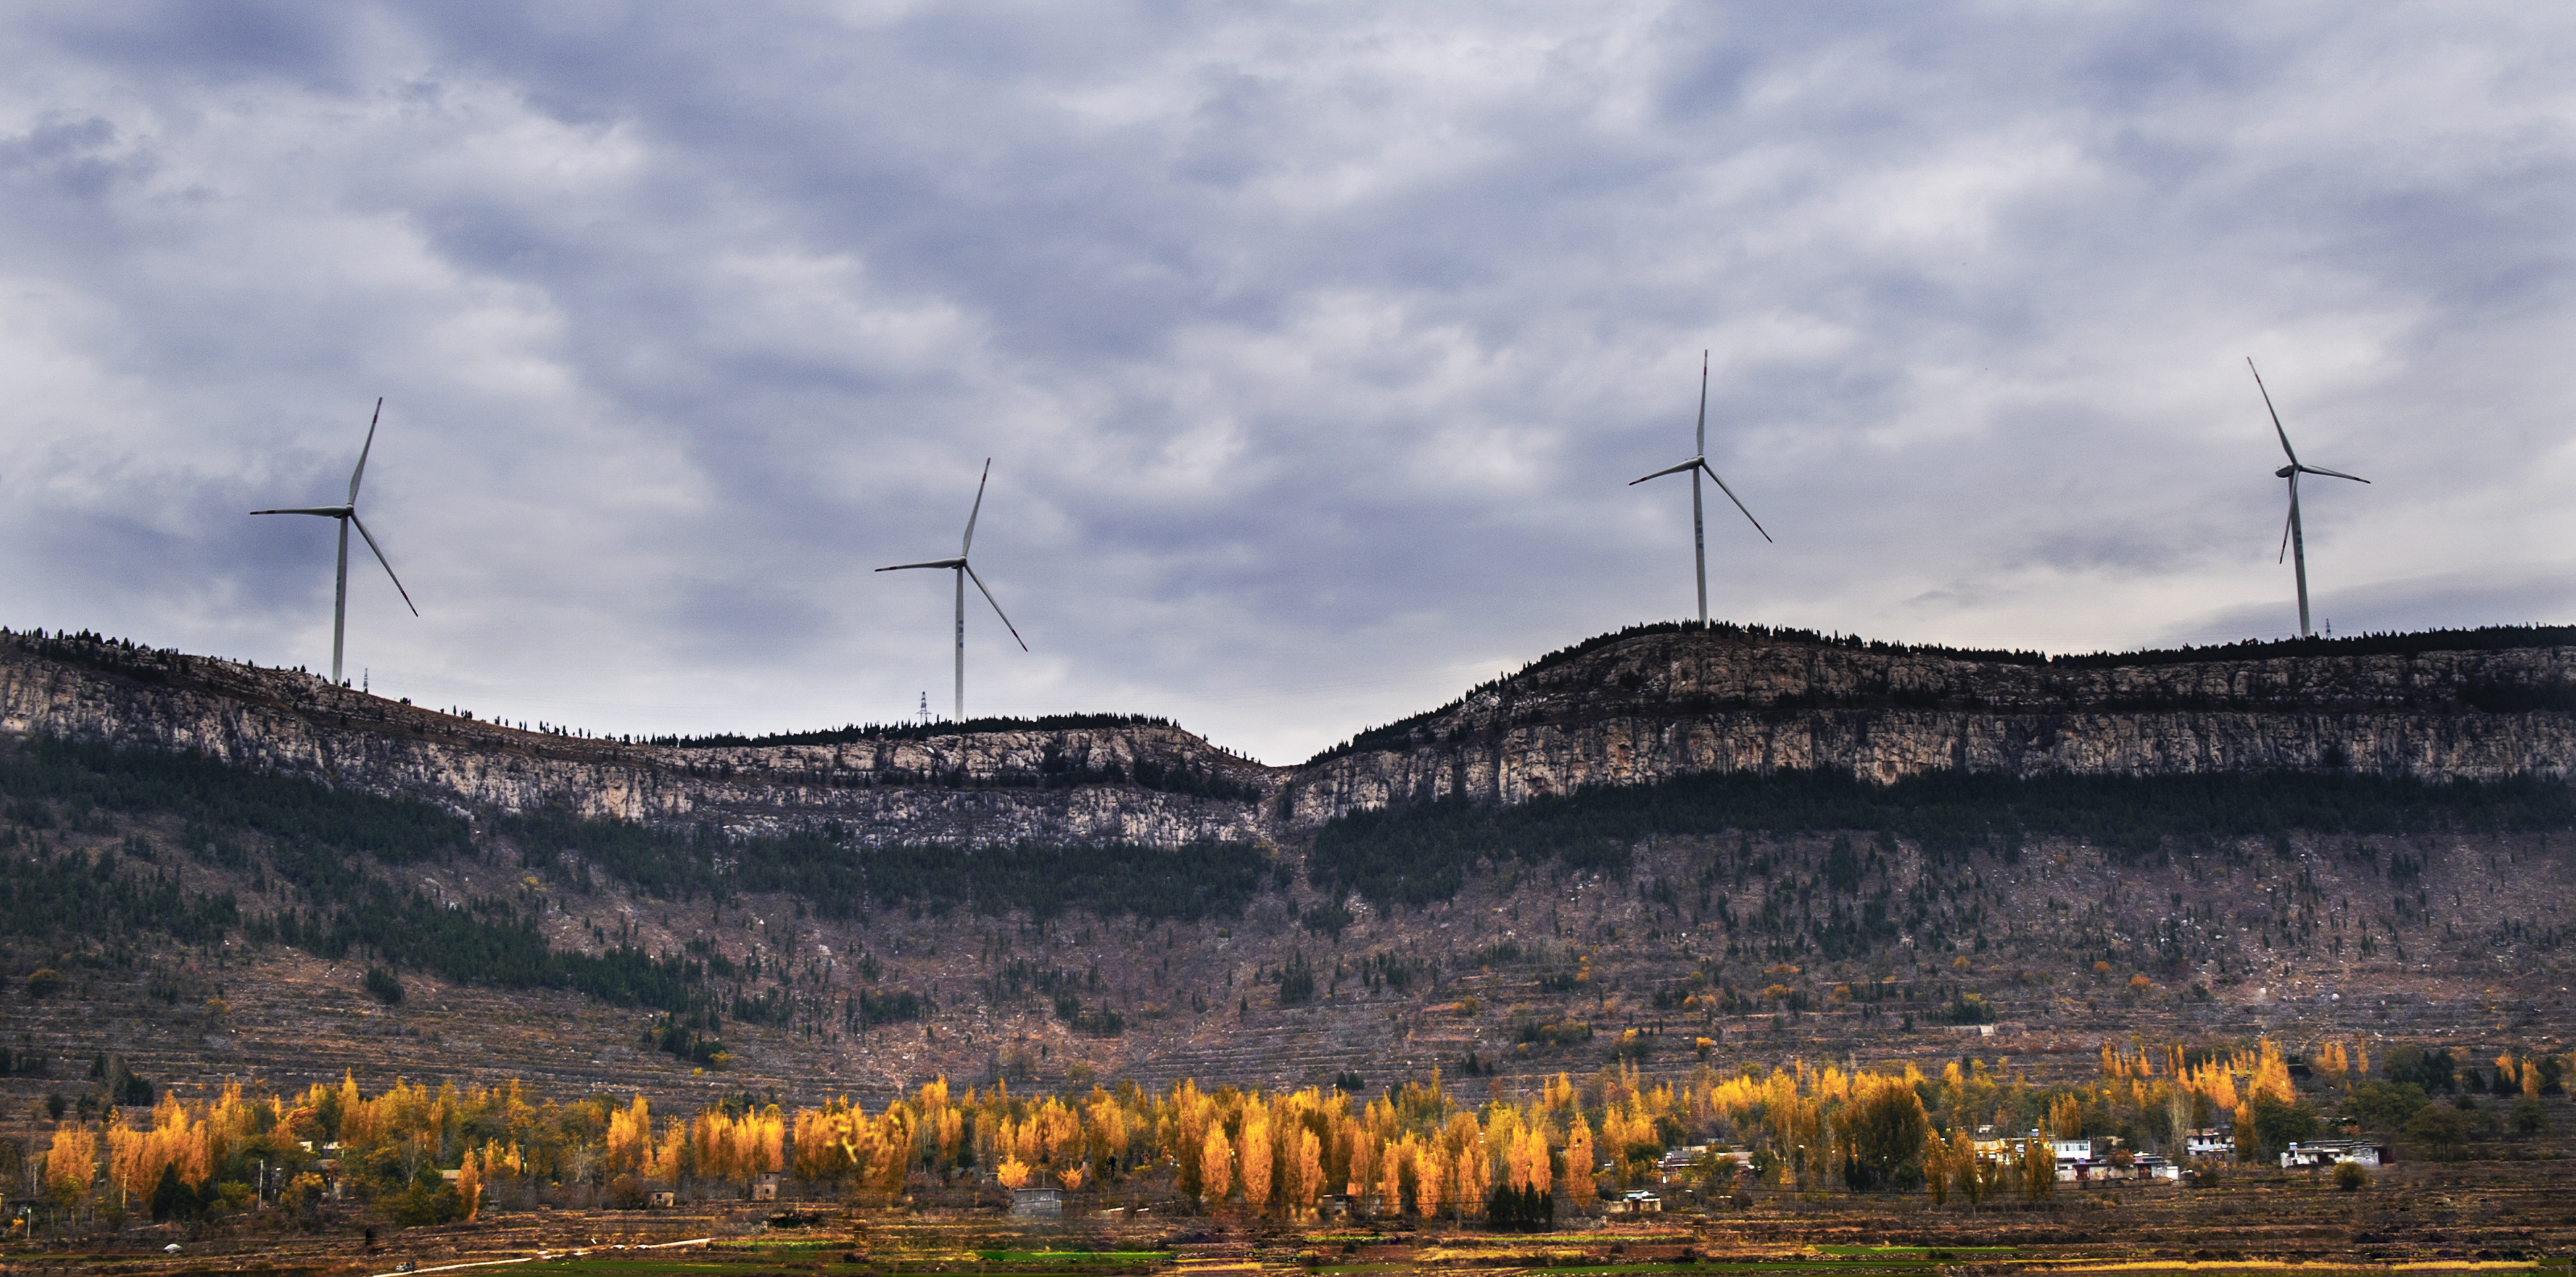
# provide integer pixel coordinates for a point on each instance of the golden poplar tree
(1254, 1152)
(1579, 1188)
(1216, 1165)
(1305, 1173)
(1430, 1178)
(72, 1161)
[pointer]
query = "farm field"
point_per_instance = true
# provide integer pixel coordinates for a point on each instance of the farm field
(2504, 1217)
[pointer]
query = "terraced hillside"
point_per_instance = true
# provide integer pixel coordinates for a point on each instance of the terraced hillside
(860, 910)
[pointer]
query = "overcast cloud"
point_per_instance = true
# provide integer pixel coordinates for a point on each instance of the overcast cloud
(1313, 345)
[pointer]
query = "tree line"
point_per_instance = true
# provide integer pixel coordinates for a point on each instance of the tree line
(1967, 1133)
(1417, 854)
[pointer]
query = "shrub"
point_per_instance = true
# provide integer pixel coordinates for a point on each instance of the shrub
(2351, 1176)
(382, 986)
(44, 983)
(2384, 1106)
(2530, 1116)
(2439, 1133)
(426, 1202)
(1970, 1008)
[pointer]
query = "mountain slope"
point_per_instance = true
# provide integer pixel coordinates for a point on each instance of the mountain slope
(864, 908)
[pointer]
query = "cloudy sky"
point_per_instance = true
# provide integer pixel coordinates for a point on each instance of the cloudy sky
(1313, 345)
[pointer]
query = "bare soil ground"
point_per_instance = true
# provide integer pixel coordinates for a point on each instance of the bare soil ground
(2507, 1216)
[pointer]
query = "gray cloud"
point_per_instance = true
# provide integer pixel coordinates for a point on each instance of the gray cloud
(1314, 348)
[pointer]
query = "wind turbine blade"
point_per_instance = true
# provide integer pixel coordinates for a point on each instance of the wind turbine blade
(389, 567)
(1693, 463)
(1739, 504)
(361, 471)
(2334, 473)
(1703, 404)
(977, 512)
(997, 606)
(936, 563)
(330, 511)
(2276, 413)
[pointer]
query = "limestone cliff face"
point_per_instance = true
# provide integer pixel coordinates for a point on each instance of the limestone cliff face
(1663, 705)
(1053, 786)
(1624, 712)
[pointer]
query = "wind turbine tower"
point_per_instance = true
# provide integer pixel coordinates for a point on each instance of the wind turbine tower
(2294, 542)
(347, 513)
(966, 571)
(1698, 465)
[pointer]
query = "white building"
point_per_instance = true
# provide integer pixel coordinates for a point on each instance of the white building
(2329, 1152)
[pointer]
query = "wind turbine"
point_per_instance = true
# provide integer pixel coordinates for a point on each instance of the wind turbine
(965, 571)
(1697, 465)
(347, 513)
(2294, 541)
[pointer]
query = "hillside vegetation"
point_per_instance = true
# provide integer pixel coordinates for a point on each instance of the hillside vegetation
(329, 910)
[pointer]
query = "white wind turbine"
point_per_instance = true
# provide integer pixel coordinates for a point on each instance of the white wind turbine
(965, 571)
(347, 513)
(2294, 542)
(1697, 465)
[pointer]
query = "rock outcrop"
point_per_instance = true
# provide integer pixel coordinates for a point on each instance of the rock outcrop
(1074, 784)
(1657, 706)
(1630, 710)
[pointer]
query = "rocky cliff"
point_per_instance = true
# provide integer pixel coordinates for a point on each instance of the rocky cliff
(1624, 710)
(1043, 785)
(1659, 705)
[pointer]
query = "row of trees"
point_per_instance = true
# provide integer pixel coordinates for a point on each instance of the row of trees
(1416, 1150)
(1414, 855)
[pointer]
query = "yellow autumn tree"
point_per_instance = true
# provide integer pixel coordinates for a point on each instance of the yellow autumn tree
(825, 1140)
(2271, 1076)
(72, 1161)
(1106, 1134)
(469, 1188)
(1304, 1174)
(1579, 1188)
(1216, 1166)
(1560, 1093)
(1430, 1178)
(893, 1137)
(630, 1137)
(2328, 1062)
(1473, 1166)
(1937, 1170)
(1253, 1153)
(1365, 1151)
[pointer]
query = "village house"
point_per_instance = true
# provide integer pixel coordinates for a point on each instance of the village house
(2330, 1152)
(2220, 1144)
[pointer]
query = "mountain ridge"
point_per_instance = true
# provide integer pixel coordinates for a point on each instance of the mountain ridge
(1666, 704)
(1640, 706)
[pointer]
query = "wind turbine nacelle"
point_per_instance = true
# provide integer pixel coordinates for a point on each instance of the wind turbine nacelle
(2285, 472)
